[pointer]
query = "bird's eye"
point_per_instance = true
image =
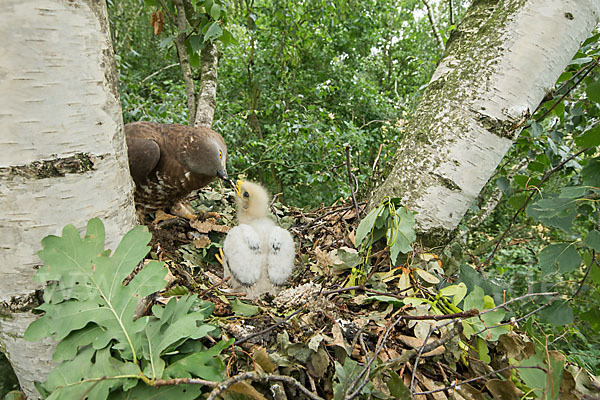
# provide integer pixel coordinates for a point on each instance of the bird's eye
(246, 195)
(220, 154)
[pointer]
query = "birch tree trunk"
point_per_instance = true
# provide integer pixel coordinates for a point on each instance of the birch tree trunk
(62, 152)
(498, 65)
(207, 96)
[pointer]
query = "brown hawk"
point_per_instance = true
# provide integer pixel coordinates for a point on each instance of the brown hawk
(167, 162)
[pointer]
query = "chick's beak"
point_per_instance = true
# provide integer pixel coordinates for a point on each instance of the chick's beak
(238, 188)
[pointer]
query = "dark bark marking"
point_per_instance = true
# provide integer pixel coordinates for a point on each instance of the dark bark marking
(76, 164)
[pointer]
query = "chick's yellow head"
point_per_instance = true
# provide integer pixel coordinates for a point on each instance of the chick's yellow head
(252, 200)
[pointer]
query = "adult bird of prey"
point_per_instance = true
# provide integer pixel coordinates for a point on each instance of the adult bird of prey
(167, 162)
(258, 254)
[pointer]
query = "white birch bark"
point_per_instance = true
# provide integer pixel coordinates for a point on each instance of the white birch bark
(62, 151)
(207, 96)
(498, 66)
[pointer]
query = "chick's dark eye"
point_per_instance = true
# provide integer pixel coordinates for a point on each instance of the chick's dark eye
(246, 195)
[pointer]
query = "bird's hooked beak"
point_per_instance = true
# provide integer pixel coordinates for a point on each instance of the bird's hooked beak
(223, 175)
(238, 188)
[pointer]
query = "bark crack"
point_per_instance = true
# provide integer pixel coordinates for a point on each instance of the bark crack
(22, 303)
(447, 182)
(508, 128)
(78, 163)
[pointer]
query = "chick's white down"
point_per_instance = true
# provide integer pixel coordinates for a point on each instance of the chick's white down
(259, 255)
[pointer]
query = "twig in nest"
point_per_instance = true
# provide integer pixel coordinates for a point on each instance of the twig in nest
(515, 321)
(254, 376)
(416, 365)
(321, 217)
(222, 281)
(270, 328)
(273, 210)
(456, 384)
(177, 221)
(183, 381)
(353, 182)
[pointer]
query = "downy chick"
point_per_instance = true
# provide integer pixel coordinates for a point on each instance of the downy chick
(259, 255)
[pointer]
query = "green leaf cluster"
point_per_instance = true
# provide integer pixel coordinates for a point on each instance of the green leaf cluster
(103, 351)
(392, 221)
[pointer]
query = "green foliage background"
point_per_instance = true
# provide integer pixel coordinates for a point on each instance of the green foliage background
(300, 80)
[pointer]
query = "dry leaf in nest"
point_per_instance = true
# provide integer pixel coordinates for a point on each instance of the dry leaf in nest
(352, 237)
(202, 242)
(209, 225)
(170, 278)
(261, 357)
(504, 389)
(415, 343)
(351, 213)
(431, 385)
(243, 389)
(323, 259)
(338, 338)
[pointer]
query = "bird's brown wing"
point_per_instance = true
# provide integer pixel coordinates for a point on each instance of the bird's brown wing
(144, 155)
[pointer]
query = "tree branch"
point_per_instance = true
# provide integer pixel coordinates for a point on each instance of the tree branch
(436, 32)
(547, 175)
(158, 72)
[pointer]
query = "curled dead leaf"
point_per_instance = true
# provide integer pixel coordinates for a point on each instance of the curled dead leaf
(157, 20)
(202, 242)
(209, 225)
(262, 358)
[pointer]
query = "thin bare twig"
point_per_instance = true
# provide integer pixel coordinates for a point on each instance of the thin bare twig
(222, 281)
(158, 72)
(416, 365)
(525, 296)
(353, 182)
(513, 322)
(254, 376)
(184, 381)
(434, 28)
(595, 63)
(547, 175)
(594, 261)
(270, 328)
(376, 159)
(456, 384)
